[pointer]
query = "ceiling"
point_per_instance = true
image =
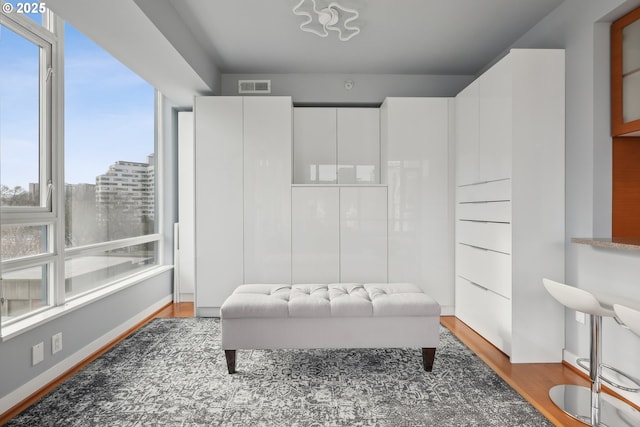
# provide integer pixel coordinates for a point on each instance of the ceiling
(397, 36)
(183, 47)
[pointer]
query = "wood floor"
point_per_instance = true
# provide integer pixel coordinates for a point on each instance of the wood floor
(531, 380)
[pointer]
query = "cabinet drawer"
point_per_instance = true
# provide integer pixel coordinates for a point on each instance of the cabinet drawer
(485, 211)
(486, 312)
(489, 235)
(487, 268)
(486, 191)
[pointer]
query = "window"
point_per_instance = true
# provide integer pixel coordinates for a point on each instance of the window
(64, 237)
(27, 212)
(110, 225)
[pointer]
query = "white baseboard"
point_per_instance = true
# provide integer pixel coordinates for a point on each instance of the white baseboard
(47, 377)
(447, 310)
(186, 297)
(207, 311)
(571, 359)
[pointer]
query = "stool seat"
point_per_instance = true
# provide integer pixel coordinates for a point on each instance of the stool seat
(608, 301)
(629, 316)
(579, 299)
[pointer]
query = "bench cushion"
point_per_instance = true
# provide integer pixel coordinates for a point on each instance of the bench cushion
(328, 300)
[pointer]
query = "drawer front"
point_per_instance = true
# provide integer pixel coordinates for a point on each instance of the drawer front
(486, 191)
(486, 312)
(485, 211)
(486, 268)
(489, 235)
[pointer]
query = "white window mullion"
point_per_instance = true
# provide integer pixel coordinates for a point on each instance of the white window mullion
(56, 25)
(111, 245)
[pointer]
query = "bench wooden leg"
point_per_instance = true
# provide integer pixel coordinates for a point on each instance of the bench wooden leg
(231, 360)
(428, 355)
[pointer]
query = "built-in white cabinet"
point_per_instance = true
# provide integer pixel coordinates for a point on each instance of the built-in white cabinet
(358, 145)
(242, 161)
(219, 200)
(184, 258)
(417, 158)
(267, 196)
(495, 133)
(363, 234)
(315, 234)
(375, 203)
(336, 145)
(510, 204)
(314, 151)
(467, 135)
(484, 126)
(339, 234)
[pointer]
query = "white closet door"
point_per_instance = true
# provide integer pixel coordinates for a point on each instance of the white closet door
(218, 200)
(495, 123)
(363, 234)
(186, 183)
(358, 145)
(420, 195)
(315, 236)
(467, 171)
(314, 145)
(267, 189)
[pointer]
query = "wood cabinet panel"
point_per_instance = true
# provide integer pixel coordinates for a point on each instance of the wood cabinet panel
(626, 187)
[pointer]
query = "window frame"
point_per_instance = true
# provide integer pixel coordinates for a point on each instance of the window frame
(52, 210)
(46, 214)
(48, 42)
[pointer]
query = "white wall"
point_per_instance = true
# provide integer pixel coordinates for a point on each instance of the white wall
(368, 89)
(582, 28)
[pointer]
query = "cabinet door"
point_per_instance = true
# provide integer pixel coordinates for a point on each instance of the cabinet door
(466, 107)
(363, 234)
(358, 145)
(495, 96)
(486, 268)
(314, 146)
(420, 195)
(186, 186)
(486, 312)
(267, 189)
(218, 200)
(315, 235)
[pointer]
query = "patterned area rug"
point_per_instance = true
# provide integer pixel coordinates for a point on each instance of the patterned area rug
(172, 372)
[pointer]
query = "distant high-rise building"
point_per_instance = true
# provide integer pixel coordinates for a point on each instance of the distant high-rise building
(127, 187)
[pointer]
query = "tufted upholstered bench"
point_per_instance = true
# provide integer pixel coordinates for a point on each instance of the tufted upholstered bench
(339, 315)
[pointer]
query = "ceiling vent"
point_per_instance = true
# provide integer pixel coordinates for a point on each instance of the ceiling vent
(254, 86)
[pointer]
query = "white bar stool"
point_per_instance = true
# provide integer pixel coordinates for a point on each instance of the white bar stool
(629, 316)
(589, 406)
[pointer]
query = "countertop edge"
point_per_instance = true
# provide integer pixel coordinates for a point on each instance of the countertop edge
(627, 244)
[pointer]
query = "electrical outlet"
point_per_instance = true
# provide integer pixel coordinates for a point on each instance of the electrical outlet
(580, 317)
(37, 353)
(56, 343)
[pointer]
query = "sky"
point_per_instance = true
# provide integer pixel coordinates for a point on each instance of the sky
(109, 111)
